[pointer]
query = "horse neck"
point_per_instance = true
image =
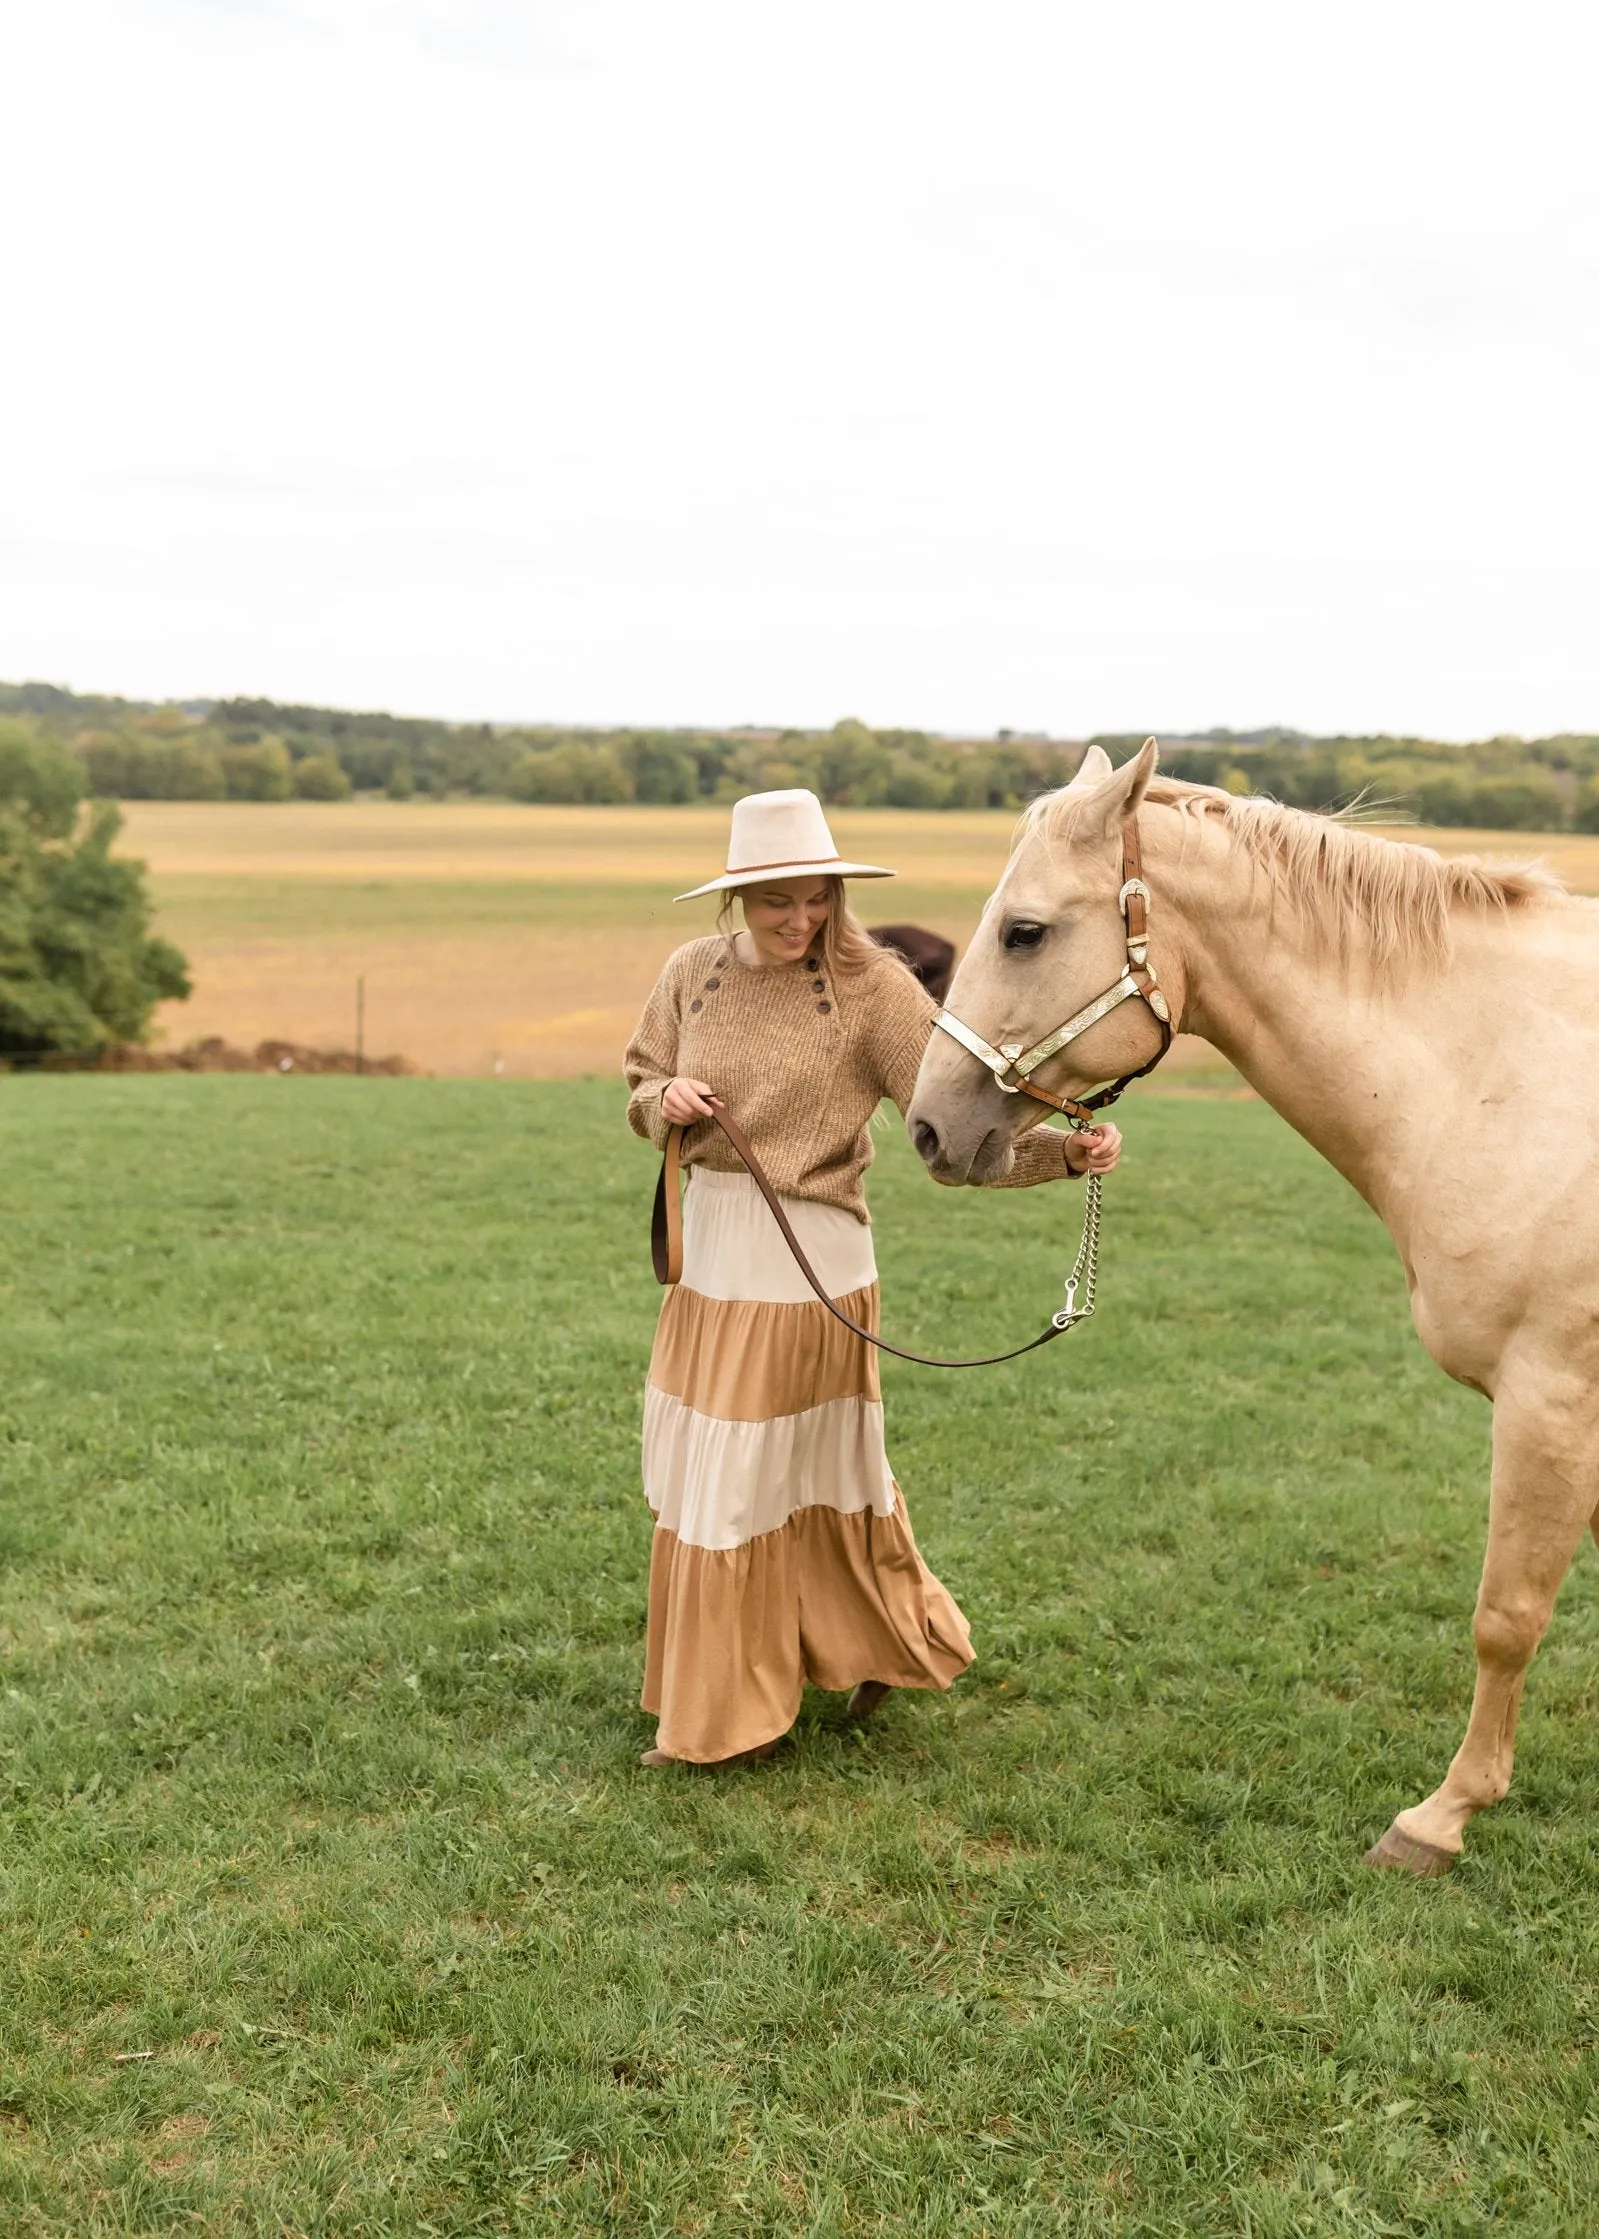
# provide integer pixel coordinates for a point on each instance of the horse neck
(1260, 981)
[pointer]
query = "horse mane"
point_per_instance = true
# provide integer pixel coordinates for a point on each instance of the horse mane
(1390, 899)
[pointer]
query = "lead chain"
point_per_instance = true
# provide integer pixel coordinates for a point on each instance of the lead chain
(1085, 1269)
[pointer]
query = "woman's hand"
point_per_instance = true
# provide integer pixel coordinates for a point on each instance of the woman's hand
(684, 1101)
(1094, 1150)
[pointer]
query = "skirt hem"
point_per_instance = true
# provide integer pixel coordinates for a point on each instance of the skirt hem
(830, 1598)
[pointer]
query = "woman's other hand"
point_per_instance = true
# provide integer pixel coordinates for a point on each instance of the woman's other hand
(1092, 1150)
(684, 1100)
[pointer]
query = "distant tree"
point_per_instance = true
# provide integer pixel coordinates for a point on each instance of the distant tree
(710, 759)
(766, 766)
(1568, 751)
(319, 778)
(262, 772)
(163, 722)
(38, 781)
(662, 767)
(1521, 802)
(1526, 801)
(915, 784)
(1202, 766)
(853, 768)
(1445, 799)
(970, 784)
(129, 767)
(78, 966)
(572, 773)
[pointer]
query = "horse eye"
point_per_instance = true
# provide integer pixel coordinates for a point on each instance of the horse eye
(1023, 935)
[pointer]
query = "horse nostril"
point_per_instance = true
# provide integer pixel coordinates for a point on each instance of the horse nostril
(925, 1136)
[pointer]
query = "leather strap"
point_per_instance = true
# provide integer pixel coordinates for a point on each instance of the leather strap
(666, 1217)
(1137, 910)
(666, 1248)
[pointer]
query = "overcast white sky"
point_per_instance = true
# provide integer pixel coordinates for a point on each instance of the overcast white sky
(1027, 362)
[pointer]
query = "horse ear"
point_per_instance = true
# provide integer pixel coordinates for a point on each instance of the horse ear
(1143, 767)
(1118, 795)
(1095, 765)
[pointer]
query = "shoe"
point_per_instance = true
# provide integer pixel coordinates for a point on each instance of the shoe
(756, 1756)
(868, 1698)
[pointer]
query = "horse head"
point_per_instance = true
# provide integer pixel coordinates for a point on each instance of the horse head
(1051, 939)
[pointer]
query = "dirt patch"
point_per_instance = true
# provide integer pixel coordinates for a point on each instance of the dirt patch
(184, 2126)
(214, 1055)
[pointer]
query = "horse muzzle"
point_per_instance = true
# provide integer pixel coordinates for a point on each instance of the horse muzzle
(956, 1139)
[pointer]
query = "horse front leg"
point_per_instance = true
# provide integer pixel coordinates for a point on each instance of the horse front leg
(1544, 1457)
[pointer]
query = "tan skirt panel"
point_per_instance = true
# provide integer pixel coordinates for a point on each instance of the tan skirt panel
(726, 1664)
(745, 1362)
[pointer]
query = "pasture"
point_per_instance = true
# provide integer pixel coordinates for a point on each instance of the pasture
(524, 939)
(336, 1904)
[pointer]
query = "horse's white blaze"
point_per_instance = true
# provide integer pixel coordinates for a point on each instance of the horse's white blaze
(1433, 1029)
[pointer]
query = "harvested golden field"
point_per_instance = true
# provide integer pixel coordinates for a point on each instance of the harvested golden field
(488, 934)
(494, 936)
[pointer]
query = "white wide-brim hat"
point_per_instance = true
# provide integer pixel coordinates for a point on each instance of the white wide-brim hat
(781, 835)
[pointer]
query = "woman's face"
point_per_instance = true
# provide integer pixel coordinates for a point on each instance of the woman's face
(784, 920)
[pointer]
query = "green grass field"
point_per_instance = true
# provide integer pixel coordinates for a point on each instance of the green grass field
(335, 1903)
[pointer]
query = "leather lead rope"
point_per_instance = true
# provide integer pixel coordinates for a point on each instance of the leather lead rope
(666, 1250)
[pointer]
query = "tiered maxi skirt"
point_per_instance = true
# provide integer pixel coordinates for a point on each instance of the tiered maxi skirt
(782, 1554)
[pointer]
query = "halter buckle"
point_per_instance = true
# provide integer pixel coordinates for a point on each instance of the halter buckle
(1133, 886)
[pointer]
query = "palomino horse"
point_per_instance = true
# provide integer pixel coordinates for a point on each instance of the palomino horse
(1404, 1013)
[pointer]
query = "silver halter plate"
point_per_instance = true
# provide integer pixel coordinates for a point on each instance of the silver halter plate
(1012, 1057)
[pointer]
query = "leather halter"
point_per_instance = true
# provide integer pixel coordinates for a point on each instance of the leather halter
(1013, 1066)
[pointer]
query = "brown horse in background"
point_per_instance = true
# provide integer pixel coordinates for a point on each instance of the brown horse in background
(930, 957)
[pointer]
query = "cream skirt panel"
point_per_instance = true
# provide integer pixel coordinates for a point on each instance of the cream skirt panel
(732, 1247)
(718, 1484)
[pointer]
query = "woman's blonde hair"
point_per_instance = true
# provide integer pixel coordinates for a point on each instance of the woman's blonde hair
(847, 948)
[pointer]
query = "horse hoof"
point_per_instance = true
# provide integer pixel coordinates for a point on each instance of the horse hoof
(1397, 1849)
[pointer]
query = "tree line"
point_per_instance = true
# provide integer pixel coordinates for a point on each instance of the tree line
(266, 750)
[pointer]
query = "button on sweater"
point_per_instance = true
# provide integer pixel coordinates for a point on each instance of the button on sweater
(800, 1065)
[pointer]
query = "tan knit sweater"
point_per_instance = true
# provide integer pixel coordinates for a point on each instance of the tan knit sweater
(801, 1072)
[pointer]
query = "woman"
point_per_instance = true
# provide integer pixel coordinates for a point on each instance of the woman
(782, 1550)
